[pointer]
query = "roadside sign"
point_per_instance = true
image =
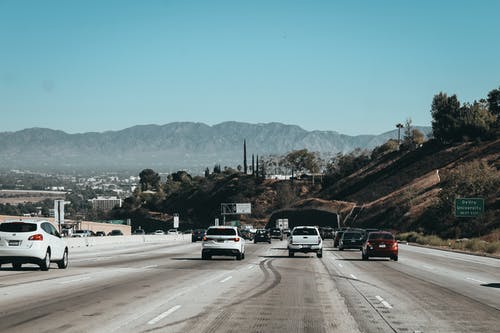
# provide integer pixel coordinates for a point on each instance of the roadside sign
(176, 221)
(469, 207)
(59, 212)
(216, 222)
(243, 208)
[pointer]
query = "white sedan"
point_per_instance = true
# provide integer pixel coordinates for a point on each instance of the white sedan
(32, 242)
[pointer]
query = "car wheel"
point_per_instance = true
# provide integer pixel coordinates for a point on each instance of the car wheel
(319, 254)
(364, 256)
(63, 263)
(16, 265)
(341, 248)
(45, 263)
(395, 258)
(255, 242)
(269, 241)
(238, 256)
(243, 255)
(291, 254)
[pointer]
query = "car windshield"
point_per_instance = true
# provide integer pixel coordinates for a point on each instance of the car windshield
(221, 232)
(305, 232)
(17, 227)
(384, 236)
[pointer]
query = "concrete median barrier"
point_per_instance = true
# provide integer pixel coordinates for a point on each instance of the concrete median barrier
(75, 242)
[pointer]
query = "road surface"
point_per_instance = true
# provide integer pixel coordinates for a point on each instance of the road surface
(166, 287)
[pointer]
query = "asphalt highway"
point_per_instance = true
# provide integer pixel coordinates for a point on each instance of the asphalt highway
(166, 287)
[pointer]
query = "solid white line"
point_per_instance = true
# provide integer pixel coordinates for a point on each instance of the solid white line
(75, 280)
(479, 281)
(251, 266)
(385, 303)
(226, 279)
(355, 278)
(164, 314)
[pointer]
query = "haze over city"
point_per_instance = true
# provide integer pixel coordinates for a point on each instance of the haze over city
(356, 67)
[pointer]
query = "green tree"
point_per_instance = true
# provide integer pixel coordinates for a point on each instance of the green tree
(388, 147)
(445, 118)
(301, 161)
(476, 121)
(149, 180)
(494, 103)
(245, 166)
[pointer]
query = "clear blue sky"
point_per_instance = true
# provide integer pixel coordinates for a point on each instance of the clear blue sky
(356, 67)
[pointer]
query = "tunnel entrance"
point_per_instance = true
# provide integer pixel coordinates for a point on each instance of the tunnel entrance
(305, 216)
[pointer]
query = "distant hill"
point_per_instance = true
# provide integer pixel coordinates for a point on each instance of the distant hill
(170, 147)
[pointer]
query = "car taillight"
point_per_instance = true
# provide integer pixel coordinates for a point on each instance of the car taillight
(236, 239)
(37, 237)
(204, 238)
(395, 245)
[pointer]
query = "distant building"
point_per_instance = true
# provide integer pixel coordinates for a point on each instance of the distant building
(105, 203)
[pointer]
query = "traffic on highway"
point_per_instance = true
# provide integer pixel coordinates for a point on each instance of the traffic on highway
(227, 282)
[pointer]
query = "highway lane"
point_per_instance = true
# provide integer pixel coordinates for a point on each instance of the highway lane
(165, 287)
(168, 288)
(425, 291)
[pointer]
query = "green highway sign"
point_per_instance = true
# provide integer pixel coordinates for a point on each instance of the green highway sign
(469, 207)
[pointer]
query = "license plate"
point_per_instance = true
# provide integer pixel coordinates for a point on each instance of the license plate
(14, 243)
(306, 246)
(381, 245)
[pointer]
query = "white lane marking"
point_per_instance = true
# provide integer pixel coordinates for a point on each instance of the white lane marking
(75, 280)
(226, 279)
(384, 303)
(164, 315)
(479, 281)
(250, 266)
(354, 277)
(150, 266)
(340, 265)
(428, 267)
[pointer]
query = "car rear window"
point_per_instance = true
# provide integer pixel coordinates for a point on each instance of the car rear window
(381, 236)
(17, 227)
(221, 232)
(352, 235)
(305, 232)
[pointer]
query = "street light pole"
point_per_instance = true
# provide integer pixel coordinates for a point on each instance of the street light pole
(399, 126)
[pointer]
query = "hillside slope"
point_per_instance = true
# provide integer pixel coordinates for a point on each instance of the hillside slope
(396, 191)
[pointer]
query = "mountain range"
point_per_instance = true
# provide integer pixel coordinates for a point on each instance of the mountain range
(170, 147)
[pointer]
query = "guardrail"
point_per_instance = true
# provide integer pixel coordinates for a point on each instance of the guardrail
(75, 242)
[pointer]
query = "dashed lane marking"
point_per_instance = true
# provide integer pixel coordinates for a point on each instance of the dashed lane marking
(475, 280)
(75, 280)
(164, 315)
(150, 266)
(354, 277)
(226, 279)
(384, 302)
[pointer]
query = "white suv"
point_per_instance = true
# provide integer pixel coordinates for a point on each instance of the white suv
(33, 242)
(223, 241)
